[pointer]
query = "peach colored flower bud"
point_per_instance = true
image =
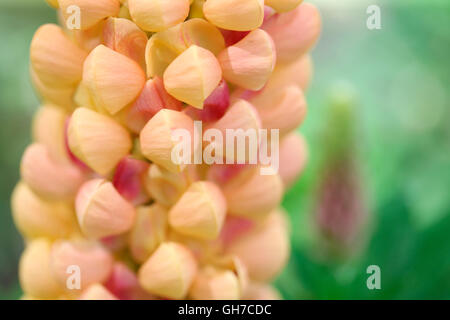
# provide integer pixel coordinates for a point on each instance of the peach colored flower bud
(283, 5)
(240, 116)
(148, 232)
(152, 98)
(57, 95)
(94, 262)
(97, 140)
(102, 211)
(129, 180)
(35, 274)
(193, 76)
(294, 32)
(169, 272)
(250, 62)
(125, 37)
(91, 12)
(97, 291)
(56, 60)
(285, 111)
(36, 217)
(200, 212)
(272, 235)
(261, 291)
(48, 129)
(201, 33)
(215, 284)
(112, 79)
(253, 195)
(293, 157)
(239, 15)
(164, 186)
(158, 15)
(47, 177)
(163, 47)
(124, 285)
(156, 138)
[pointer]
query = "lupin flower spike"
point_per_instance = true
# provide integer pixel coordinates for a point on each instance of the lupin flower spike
(112, 182)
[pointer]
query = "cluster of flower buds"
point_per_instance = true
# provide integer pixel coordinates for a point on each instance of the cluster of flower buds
(105, 211)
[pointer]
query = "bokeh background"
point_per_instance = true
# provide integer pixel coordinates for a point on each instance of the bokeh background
(376, 190)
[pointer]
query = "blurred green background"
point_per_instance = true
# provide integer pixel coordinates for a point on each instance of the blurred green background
(397, 151)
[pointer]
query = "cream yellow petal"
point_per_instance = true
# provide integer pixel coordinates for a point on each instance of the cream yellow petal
(97, 140)
(36, 276)
(169, 271)
(102, 211)
(165, 46)
(250, 62)
(112, 79)
(55, 59)
(158, 15)
(36, 217)
(238, 15)
(200, 212)
(192, 76)
(156, 138)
